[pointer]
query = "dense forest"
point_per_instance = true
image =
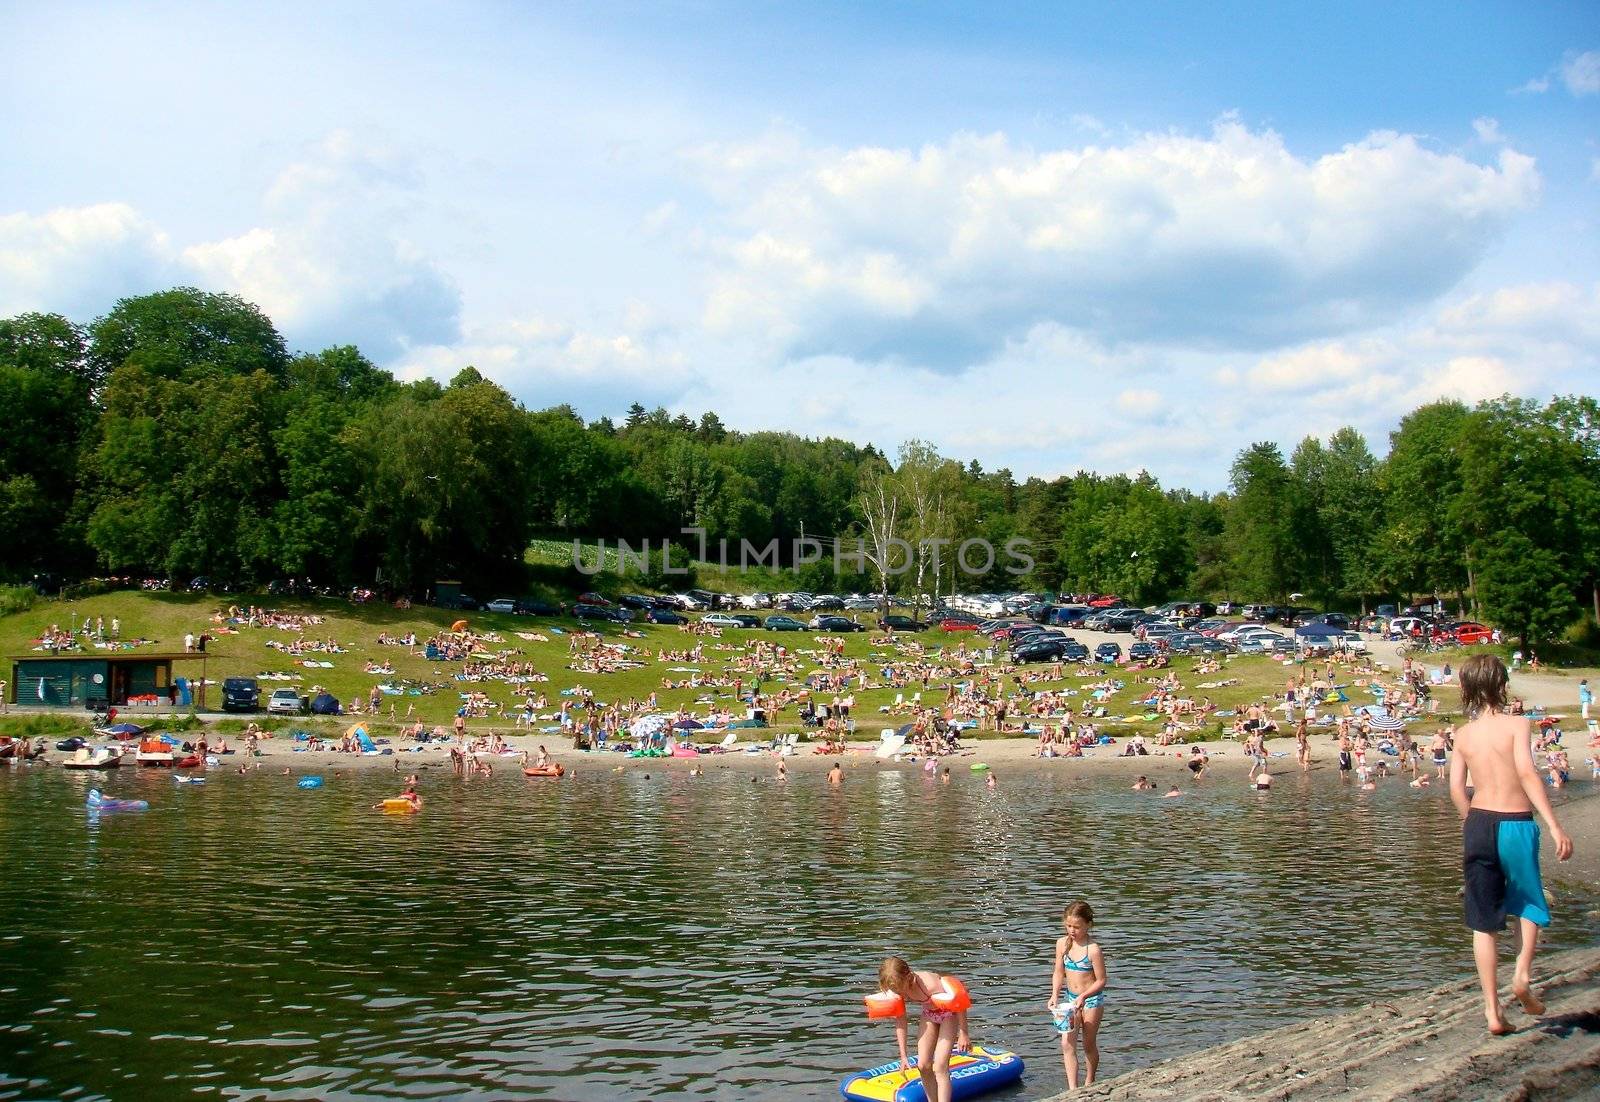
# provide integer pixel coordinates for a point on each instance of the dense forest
(178, 436)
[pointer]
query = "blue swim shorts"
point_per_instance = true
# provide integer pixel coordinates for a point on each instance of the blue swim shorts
(1500, 869)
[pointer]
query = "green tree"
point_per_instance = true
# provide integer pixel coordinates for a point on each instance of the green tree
(186, 332)
(47, 387)
(1259, 532)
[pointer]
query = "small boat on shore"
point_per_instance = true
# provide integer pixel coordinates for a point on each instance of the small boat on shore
(154, 753)
(103, 757)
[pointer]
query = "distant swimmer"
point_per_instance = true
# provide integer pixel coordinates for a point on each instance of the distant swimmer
(1171, 792)
(1261, 781)
(835, 775)
(1142, 784)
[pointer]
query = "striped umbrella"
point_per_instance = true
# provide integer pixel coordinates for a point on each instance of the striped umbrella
(1387, 722)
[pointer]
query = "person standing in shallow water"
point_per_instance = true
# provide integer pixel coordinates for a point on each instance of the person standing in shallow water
(1500, 839)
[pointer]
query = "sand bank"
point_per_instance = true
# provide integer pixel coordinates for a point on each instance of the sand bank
(1431, 1046)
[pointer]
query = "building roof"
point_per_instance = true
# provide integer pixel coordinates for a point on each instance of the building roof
(122, 656)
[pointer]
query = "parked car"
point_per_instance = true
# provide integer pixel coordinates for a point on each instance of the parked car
(587, 611)
(1409, 626)
(721, 620)
(895, 622)
(287, 702)
(783, 623)
(1468, 633)
(947, 623)
(835, 623)
(860, 604)
(665, 616)
(1108, 652)
(501, 604)
(1049, 649)
(639, 601)
(593, 599)
(1141, 651)
(1074, 651)
(240, 694)
(747, 621)
(532, 606)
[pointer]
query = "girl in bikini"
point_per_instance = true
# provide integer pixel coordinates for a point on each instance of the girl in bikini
(941, 1032)
(1080, 962)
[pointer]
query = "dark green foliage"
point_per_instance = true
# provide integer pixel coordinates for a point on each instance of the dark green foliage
(176, 435)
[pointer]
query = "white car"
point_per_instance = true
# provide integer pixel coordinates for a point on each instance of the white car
(284, 702)
(685, 601)
(501, 604)
(1354, 643)
(720, 620)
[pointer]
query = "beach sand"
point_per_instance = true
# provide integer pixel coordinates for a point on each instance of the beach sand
(1430, 1047)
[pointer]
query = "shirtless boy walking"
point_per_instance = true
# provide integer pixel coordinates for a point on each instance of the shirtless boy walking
(1500, 840)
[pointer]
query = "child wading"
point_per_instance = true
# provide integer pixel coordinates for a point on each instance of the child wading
(941, 1030)
(1080, 962)
(1500, 840)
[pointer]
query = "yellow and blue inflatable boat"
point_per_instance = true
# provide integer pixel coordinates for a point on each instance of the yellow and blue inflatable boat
(972, 1073)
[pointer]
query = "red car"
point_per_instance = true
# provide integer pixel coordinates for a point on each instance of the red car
(957, 625)
(1467, 633)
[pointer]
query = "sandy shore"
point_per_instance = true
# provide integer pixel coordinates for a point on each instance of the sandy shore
(1001, 754)
(1431, 1047)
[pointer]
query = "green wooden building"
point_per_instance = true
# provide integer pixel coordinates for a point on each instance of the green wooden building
(64, 680)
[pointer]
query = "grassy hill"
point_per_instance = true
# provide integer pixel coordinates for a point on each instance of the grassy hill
(164, 619)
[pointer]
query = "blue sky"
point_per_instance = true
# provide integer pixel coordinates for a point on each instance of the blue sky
(1102, 236)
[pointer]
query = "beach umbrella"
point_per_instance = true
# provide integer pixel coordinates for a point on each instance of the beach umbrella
(1388, 723)
(688, 725)
(124, 729)
(649, 726)
(459, 626)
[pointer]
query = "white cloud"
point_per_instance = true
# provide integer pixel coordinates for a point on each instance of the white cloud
(332, 265)
(1488, 131)
(941, 255)
(328, 263)
(1532, 340)
(1581, 73)
(78, 261)
(545, 362)
(1142, 402)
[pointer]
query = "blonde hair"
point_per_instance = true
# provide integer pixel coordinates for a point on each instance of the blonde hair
(1483, 683)
(893, 974)
(1080, 909)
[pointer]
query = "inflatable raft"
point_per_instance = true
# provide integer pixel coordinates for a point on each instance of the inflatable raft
(398, 805)
(543, 771)
(97, 802)
(973, 1073)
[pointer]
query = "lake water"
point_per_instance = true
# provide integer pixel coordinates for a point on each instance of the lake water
(609, 936)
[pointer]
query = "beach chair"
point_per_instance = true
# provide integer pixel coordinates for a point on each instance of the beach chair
(727, 742)
(889, 743)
